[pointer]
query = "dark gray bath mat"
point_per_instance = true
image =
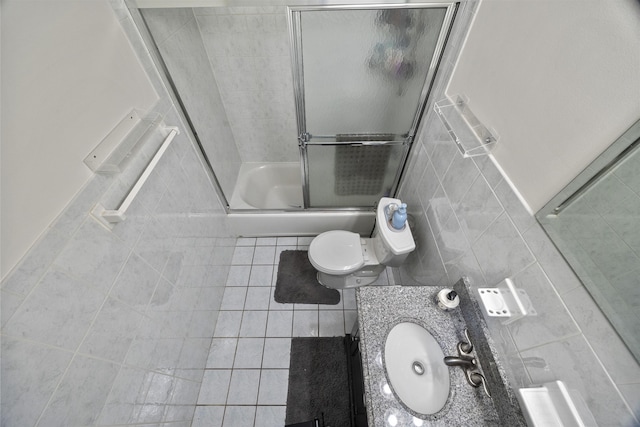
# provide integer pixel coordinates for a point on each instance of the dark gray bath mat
(318, 382)
(297, 283)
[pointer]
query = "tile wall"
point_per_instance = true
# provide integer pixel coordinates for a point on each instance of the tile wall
(178, 38)
(599, 235)
(248, 48)
(105, 327)
(469, 222)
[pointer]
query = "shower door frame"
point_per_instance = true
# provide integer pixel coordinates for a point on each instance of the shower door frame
(134, 6)
(294, 14)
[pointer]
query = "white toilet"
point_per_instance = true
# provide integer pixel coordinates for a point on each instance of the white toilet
(346, 260)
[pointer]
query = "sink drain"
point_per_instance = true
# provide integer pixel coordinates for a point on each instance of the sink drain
(418, 368)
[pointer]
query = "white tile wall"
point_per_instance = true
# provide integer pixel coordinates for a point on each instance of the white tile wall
(180, 42)
(104, 327)
(599, 231)
(249, 53)
(123, 324)
(469, 222)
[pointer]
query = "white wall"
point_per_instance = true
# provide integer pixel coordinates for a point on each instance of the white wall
(69, 75)
(558, 80)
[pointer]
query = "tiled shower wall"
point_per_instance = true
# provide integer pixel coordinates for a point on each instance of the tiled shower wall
(178, 38)
(104, 327)
(239, 57)
(248, 48)
(469, 222)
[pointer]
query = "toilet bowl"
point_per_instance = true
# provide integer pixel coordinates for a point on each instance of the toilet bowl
(346, 260)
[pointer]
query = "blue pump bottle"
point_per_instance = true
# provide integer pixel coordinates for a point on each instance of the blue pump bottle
(399, 217)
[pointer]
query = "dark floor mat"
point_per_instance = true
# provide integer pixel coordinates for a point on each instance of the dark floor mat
(297, 283)
(318, 382)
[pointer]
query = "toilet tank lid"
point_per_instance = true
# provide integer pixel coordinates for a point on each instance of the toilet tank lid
(336, 251)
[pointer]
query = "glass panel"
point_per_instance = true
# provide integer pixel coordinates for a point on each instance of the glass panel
(595, 223)
(351, 176)
(232, 73)
(179, 40)
(364, 70)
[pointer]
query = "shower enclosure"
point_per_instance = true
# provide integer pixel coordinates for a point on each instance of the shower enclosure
(300, 109)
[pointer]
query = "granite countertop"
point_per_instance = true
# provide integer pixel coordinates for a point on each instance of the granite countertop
(382, 307)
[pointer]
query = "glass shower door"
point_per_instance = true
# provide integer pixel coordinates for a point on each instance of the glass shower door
(362, 76)
(345, 175)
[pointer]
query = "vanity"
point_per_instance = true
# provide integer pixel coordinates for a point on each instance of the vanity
(383, 307)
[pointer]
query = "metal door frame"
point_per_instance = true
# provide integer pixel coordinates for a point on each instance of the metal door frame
(294, 14)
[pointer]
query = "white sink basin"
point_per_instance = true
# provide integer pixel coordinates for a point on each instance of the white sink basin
(415, 367)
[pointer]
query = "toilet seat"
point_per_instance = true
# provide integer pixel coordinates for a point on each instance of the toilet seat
(336, 252)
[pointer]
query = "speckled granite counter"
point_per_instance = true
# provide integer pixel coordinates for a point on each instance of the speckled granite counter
(382, 307)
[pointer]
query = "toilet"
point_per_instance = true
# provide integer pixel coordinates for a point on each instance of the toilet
(346, 260)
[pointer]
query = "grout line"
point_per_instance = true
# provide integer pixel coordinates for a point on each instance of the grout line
(273, 308)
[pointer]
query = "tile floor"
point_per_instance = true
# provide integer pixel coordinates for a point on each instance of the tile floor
(246, 377)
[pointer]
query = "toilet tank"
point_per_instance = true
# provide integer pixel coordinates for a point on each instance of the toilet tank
(385, 255)
(391, 246)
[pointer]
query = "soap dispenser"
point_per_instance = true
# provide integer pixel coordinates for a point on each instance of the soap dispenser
(399, 217)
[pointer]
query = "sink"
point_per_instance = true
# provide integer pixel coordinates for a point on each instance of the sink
(415, 367)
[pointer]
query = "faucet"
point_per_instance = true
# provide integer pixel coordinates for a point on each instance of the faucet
(476, 379)
(462, 360)
(468, 363)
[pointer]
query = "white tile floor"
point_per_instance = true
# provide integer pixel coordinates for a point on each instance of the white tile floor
(246, 377)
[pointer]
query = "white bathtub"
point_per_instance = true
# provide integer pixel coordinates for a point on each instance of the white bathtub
(268, 186)
(278, 188)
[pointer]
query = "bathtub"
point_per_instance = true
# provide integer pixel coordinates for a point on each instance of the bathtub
(267, 201)
(268, 186)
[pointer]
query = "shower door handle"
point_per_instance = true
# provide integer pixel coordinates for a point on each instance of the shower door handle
(379, 143)
(305, 139)
(355, 143)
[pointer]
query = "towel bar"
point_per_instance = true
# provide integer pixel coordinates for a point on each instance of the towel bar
(109, 217)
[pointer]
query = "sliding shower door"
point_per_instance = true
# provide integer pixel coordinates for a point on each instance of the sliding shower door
(361, 77)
